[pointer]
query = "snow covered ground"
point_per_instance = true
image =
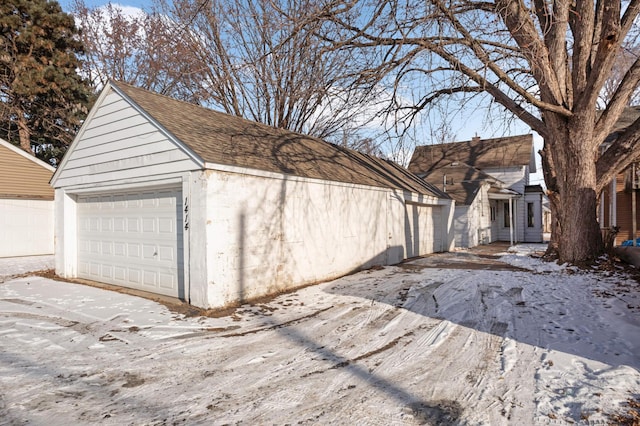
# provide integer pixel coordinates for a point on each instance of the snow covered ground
(448, 339)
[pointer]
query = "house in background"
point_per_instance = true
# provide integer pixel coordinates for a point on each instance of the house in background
(26, 203)
(617, 211)
(489, 181)
(172, 198)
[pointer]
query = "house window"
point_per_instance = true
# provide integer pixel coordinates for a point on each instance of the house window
(530, 221)
(507, 216)
(493, 213)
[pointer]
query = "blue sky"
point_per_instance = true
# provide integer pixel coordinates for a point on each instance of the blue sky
(66, 4)
(463, 127)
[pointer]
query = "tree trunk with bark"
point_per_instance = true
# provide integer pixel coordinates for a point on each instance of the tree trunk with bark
(573, 188)
(24, 134)
(546, 62)
(577, 235)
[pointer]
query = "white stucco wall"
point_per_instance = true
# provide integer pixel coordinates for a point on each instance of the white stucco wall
(472, 223)
(26, 227)
(266, 234)
(462, 224)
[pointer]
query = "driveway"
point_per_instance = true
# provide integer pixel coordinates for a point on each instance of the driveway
(508, 341)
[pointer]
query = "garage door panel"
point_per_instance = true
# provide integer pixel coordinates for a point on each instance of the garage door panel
(107, 271)
(132, 239)
(134, 276)
(119, 274)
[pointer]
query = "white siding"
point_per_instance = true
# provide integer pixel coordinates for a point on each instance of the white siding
(26, 227)
(119, 143)
(423, 231)
(533, 234)
(515, 178)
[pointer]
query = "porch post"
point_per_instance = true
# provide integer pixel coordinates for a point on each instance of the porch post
(511, 220)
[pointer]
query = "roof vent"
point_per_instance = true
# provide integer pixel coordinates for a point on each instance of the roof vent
(476, 138)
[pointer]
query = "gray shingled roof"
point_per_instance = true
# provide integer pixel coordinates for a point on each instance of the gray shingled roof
(462, 163)
(479, 153)
(229, 140)
(463, 181)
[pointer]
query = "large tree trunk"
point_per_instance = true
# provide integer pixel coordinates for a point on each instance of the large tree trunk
(574, 198)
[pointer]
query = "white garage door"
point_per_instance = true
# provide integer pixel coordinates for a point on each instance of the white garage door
(423, 228)
(132, 239)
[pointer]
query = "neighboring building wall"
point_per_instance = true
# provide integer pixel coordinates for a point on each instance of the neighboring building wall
(26, 204)
(623, 207)
(462, 227)
(484, 234)
(21, 177)
(516, 177)
(533, 224)
(26, 227)
(277, 233)
(472, 223)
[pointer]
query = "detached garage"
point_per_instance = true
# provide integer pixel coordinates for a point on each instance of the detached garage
(168, 197)
(26, 203)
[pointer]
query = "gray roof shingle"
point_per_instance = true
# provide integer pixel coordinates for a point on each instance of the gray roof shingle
(224, 139)
(480, 154)
(462, 163)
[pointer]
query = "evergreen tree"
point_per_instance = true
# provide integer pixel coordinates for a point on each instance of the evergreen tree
(43, 100)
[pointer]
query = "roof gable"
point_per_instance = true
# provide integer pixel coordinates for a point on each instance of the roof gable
(219, 138)
(119, 140)
(22, 175)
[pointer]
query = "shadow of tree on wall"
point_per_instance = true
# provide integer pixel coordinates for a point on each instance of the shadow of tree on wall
(302, 163)
(313, 212)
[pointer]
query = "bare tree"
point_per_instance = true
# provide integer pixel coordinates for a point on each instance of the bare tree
(138, 48)
(625, 58)
(265, 62)
(545, 61)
